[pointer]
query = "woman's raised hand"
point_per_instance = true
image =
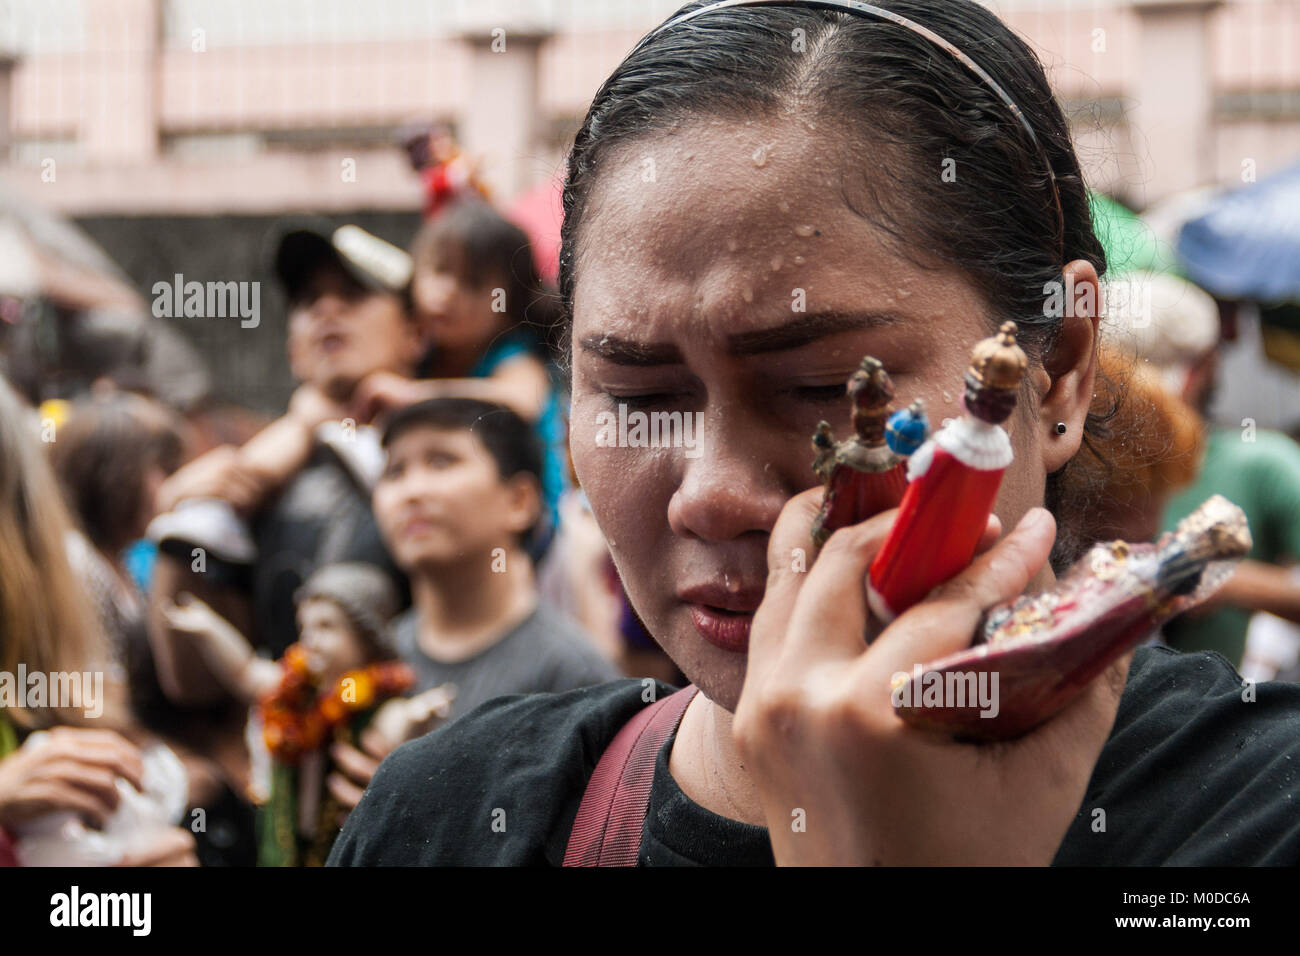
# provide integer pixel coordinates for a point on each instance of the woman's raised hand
(841, 778)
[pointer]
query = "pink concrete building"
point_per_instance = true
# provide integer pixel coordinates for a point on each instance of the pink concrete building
(262, 106)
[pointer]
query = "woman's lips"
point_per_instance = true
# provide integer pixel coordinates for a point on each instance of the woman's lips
(723, 616)
(728, 630)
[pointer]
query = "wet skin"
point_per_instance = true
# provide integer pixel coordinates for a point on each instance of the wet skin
(686, 300)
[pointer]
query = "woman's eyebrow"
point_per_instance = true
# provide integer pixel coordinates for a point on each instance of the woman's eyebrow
(619, 351)
(798, 332)
(805, 329)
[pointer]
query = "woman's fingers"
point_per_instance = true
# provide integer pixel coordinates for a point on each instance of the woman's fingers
(790, 552)
(831, 613)
(1087, 720)
(945, 621)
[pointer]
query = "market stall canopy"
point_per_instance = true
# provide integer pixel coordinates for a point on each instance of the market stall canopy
(1247, 243)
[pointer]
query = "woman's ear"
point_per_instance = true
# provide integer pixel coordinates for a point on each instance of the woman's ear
(1070, 367)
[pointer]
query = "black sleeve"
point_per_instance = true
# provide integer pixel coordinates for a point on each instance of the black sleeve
(1195, 772)
(498, 787)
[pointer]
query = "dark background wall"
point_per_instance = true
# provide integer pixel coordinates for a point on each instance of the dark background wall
(248, 366)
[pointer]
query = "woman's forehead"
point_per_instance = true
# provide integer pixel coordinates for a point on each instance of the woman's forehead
(722, 224)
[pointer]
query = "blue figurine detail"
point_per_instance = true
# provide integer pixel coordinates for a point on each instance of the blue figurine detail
(907, 429)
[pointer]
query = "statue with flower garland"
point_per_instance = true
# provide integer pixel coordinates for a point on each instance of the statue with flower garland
(339, 680)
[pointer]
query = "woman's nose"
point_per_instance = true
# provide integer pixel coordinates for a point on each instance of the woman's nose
(733, 487)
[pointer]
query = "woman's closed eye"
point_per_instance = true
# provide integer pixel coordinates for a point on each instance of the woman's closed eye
(819, 394)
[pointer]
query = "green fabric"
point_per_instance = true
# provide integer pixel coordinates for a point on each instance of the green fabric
(1129, 242)
(1262, 477)
(8, 736)
(277, 819)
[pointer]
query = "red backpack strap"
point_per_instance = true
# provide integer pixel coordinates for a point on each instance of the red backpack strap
(8, 852)
(607, 830)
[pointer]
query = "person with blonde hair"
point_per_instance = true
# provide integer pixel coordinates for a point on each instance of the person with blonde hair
(48, 628)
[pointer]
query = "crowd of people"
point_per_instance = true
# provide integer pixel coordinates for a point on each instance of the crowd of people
(330, 624)
(399, 525)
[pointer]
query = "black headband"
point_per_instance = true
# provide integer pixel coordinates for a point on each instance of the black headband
(879, 13)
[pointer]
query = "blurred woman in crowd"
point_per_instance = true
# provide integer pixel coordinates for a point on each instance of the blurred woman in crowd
(111, 457)
(47, 626)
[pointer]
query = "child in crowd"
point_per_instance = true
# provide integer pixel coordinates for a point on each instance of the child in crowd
(478, 302)
(458, 504)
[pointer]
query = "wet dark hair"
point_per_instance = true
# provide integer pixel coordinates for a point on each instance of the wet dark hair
(914, 106)
(478, 245)
(510, 440)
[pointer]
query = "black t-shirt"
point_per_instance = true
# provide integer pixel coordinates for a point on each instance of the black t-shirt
(1192, 774)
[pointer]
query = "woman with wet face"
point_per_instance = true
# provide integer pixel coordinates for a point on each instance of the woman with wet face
(760, 195)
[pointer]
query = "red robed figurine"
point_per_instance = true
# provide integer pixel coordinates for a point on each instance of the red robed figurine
(953, 482)
(864, 473)
(1037, 653)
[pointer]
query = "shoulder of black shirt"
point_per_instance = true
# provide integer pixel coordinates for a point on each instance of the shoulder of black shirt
(1201, 768)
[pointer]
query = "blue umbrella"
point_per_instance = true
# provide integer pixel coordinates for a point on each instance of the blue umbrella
(1247, 243)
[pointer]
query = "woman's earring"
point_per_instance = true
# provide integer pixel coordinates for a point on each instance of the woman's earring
(1060, 428)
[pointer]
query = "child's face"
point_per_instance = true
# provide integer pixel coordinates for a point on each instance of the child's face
(333, 647)
(452, 313)
(441, 499)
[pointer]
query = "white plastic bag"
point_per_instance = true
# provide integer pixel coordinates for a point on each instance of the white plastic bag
(62, 839)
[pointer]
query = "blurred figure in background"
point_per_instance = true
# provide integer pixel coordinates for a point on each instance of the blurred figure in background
(1129, 481)
(445, 172)
(458, 502)
(48, 627)
(296, 497)
(1258, 470)
(111, 456)
(489, 326)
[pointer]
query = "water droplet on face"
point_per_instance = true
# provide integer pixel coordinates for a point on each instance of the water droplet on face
(776, 263)
(904, 293)
(783, 206)
(760, 157)
(947, 397)
(799, 260)
(732, 245)
(804, 230)
(747, 294)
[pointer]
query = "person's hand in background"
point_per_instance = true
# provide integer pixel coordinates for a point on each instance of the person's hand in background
(396, 722)
(75, 771)
(219, 473)
(173, 846)
(381, 393)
